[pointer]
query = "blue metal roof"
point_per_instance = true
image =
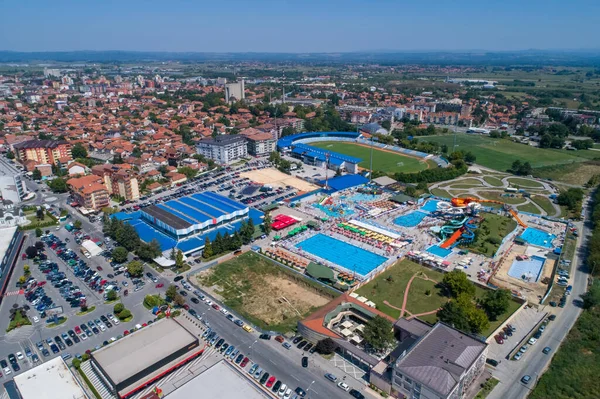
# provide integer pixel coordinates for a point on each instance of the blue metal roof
(344, 182)
(216, 197)
(180, 215)
(323, 152)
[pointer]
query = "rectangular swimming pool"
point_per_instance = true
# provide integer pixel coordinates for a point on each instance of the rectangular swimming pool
(410, 219)
(538, 237)
(348, 256)
(439, 251)
(528, 270)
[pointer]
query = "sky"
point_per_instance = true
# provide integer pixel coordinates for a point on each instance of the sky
(298, 26)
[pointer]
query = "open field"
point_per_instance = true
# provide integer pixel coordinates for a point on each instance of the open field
(274, 177)
(494, 181)
(490, 233)
(544, 203)
(528, 207)
(424, 296)
(499, 154)
(385, 161)
(441, 193)
(497, 196)
(270, 296)
(524, 183)
(574, 173)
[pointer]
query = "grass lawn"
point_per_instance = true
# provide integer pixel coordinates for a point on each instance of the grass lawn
(440, 193)
(573, 173)
(516, 181)
(89, 310)
(384, 161)
(382, 288)
(391, 285)
(499, 196)
(544, 203)
(493, 181)
(469, 182)
(529, 207)
(493, 229)
(268, 295)
(18, 321)
(463, 186)
(499, 154)
(488, 387)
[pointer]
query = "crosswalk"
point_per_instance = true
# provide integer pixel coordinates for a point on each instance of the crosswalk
(12, 293)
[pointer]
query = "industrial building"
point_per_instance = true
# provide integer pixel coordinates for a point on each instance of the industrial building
(50, 380)
(136, 360)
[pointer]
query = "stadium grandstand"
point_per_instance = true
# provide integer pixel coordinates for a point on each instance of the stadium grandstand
(185, 223)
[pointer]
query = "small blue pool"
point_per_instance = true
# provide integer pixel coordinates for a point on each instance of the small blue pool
(348, 256)
(538, 237)
(360, 197)
(528, 270)
(335, 211)
(430, 206)
(410, 219)
(439, 251)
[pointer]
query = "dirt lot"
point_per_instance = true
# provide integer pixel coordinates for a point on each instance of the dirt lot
(263, 292)
(274, 177)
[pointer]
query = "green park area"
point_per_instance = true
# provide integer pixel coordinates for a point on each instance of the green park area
(385, 161)
(426, 293)
(524, 183)
(490, 233)
(268, 295)
(494, 181)
(499, 154)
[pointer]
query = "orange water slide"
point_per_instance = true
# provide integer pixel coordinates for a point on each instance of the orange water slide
(452, 239)
(517, 218)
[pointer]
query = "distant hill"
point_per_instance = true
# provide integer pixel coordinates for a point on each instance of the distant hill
(475, 57)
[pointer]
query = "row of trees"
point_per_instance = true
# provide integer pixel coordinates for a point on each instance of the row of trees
(521, 168)
(129, 239)
(432, 175)
(231, 242)
(571, 198)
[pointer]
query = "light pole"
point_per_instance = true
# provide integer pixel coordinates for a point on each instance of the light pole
(308, 389)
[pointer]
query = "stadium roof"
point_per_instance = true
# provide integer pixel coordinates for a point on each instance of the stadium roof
(287, 141)
(50, 380)
(135, 352)
(320, 153)
(220, 381)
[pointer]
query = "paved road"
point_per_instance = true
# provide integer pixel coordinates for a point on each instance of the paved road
(534, 363)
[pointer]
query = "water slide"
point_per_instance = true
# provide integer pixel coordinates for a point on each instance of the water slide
(517, 218)
(463, 233)
(455, 236)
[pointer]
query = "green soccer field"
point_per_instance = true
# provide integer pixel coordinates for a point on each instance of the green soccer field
(382, 160)
(500, 154)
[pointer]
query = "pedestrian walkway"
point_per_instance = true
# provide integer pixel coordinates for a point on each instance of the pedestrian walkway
(348, 368)
(12, 293)
(98, 384)
(19, 334)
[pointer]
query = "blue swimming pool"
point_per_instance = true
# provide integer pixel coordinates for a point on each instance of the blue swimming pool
(439, 251)
(335, 211)
(430, 206)
(528, 270)
(348, 256)
(538, 237)
(360, 197)
(410, 219)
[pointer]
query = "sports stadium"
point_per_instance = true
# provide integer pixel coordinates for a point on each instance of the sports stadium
(354, 151)
(185, 223)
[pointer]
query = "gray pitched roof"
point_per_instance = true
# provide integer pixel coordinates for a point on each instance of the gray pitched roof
(440, 358)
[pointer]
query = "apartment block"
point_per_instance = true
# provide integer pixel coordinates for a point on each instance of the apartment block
(89, 192)
(43, 151)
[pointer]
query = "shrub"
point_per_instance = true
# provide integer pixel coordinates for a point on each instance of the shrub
(119, 307)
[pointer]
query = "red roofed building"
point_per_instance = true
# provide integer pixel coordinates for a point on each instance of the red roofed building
(89, 192)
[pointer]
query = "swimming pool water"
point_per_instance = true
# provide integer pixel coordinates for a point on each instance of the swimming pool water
(359, 197)
(430, 206)
(348, 256)
(410, 219)
(530, 268)
(439, 251)
(538, 237)
(334, 213)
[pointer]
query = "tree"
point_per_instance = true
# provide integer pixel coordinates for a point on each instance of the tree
(22, 281)
(39, 214)
(111, 295)
(470, 157)
(36, 174)
(31, 252)
(149, 251)
(267, 221)
(207, 252)
(77, 224)
(58, 185)
(119, 254)
(179, 300)
(326, 346)
(179, 263)
(378, 333)
(463, 315)
(591, 298)
(26, 270)
(410, 191)
(188, 172)
(38, 232)
(79, 151)
(171, 292)
(39, 245)
(124, 314)
(118, 308)
(457, 283)
(135, 268)
(10, 155)
(496, 302)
